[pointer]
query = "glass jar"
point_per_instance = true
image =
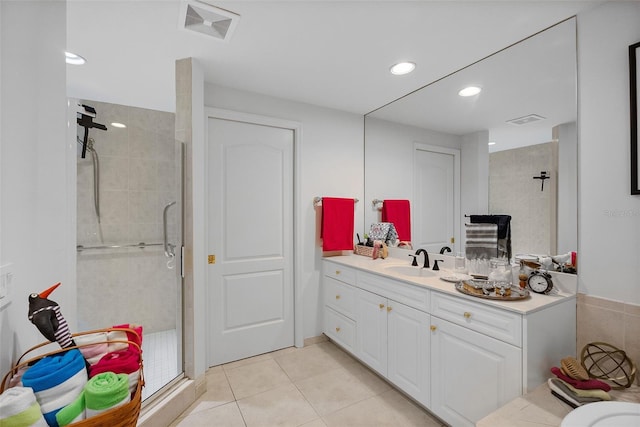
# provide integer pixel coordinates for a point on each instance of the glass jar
(500, 272)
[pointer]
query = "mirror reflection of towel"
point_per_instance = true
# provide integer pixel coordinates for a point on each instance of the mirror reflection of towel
(504, 231)
(337, 224)
(398, 212)
(482, 241)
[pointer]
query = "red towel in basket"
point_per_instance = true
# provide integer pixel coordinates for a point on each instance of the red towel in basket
(337, 224)
(399, 213)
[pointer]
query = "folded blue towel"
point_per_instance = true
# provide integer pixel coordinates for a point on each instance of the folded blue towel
(57, 381)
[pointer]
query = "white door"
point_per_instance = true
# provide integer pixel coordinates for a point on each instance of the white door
(472, 375)
(250, 223)
(408, 352)
(435, 198)
(371, 330)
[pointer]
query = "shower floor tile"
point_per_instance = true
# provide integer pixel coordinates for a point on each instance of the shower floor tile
(160, 355)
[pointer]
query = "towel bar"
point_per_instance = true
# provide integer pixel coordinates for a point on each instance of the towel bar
(317, 200)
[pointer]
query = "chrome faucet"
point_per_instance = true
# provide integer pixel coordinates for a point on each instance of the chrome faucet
(426, 257)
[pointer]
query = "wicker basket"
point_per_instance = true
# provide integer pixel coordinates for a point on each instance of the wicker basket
(122, 416)
(363, 250)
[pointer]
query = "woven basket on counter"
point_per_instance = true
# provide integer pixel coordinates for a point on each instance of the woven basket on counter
(363, 250)
(122, 416)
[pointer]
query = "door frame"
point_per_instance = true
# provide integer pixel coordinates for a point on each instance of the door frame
(296, 127)
(418, 146)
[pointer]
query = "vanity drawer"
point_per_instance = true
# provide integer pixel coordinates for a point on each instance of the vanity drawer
(340, 272)
(411, 295)
(340, 296)
(340, 329)
(501, 324)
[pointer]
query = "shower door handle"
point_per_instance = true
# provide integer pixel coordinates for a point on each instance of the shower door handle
(168, 247)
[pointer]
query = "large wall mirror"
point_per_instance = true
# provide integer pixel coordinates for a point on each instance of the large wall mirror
(511, 149)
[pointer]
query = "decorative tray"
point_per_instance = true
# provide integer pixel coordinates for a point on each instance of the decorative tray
(516, 293)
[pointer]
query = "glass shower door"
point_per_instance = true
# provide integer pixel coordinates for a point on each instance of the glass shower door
(129, 234)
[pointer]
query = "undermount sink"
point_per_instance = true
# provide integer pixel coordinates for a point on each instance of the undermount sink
(407, 270)
(601, 414)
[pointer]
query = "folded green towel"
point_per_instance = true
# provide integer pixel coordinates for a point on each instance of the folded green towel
(72, 412)
(105, 391)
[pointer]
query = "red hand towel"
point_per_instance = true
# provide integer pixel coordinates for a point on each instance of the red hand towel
(399, 213)
(589, 384)
(337, 224)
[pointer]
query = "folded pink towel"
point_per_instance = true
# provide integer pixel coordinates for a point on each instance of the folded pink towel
(93, 353)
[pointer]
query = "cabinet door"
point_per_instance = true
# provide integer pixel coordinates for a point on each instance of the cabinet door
(408, 351)
(471, 374)
(371, 330)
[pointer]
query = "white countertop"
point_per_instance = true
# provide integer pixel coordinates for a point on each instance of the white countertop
(433, 282)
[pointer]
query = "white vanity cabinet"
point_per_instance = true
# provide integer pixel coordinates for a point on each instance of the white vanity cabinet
(458, 356)
(392, 332)
(472, 374)
(393, 339)
(340, 305)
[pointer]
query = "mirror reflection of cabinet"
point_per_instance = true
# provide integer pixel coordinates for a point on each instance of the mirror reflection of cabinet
(537, 76)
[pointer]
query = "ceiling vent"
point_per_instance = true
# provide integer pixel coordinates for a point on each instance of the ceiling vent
(209, 20)
(526, 119)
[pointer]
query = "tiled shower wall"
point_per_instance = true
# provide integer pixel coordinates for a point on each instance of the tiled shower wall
(612, 322)
(138, 177)
(513, 191)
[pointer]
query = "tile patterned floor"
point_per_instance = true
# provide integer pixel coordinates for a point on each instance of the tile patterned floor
(160, 360)
(316, 386)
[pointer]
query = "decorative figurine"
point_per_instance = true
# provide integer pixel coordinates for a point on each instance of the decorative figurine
(46, 315)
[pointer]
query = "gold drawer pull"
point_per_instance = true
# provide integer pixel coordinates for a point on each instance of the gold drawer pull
(381, 306)
(338, 329)
(467, 315)
(388, 309)
(337, 272)
(337, 296)
(433, 328)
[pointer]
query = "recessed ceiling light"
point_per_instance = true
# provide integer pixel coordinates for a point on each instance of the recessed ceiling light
(118, 125)
(492, 143)
(402, 68)
(470, 91)
(73, 59)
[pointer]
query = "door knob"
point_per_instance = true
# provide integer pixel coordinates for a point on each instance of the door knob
(433, 328)
(467, 315)
(388, 309)
(337, 296)
(337, 329)
(381, 306)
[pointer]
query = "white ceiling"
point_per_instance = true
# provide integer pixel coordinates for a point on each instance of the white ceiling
(335, 54)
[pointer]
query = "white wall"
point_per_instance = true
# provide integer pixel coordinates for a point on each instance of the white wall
(37, 236)
(567, 135)
(331, 165)
(474, 178)
(609, 217)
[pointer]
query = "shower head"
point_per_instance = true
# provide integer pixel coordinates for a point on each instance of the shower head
(85, 119)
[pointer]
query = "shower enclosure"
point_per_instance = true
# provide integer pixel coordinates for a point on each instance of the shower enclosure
(129, 224)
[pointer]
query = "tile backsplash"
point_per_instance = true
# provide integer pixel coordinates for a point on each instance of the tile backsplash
(612, 322)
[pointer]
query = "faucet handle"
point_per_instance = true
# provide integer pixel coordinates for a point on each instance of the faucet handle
(415, 261)
(435, 264)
